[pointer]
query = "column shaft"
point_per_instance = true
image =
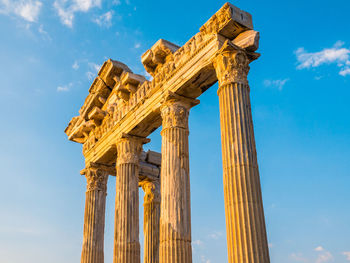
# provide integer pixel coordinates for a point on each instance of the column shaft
(126, 238)
(175, 219)
(245, 223)
(94, 218)
(151, 221)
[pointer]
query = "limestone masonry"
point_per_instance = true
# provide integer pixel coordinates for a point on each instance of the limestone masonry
(123, 108)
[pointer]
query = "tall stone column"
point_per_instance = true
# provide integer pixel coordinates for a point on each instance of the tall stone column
(126, 235)
(245, 223)
(175, 219)
(94, 218)
(151, 221)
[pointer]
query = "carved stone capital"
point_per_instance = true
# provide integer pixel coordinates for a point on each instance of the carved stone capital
(175, 110)
(129, 149)
(97, 176)
(152, 191)
(231, 66)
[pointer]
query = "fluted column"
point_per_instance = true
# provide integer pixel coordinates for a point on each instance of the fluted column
(126, 235)
(245, 223)
(175, 219)
(94, 218)
(151, 220)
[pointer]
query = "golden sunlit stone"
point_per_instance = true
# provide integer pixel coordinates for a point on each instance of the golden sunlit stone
(124, 108)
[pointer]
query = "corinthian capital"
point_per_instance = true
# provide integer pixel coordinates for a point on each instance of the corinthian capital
(97, 176)
(152, 191)
(175, 110)
(231, 65)
(129, 149)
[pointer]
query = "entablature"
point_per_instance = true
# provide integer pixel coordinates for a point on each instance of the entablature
(122, 102)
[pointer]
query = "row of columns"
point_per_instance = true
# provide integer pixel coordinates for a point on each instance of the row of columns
(167, 217)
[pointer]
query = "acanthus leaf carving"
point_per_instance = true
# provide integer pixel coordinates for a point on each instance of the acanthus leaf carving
(152, 191)
(231, 65)
(97, 176)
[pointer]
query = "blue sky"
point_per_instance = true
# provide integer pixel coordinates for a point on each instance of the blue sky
(50, 52)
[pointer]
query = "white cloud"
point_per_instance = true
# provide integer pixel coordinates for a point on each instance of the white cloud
(324, 257)
(298, 257)
(104, 20)
(137, 45)
(197, 242)
(64, 88)
(44, 33)
(66, 9)
(75, 65)
(215, 235)
(345, 71)
(337, 54)
(347, 255)
(204, 259)
(319, 248)
(93, 70)
(278, 83)
(116, 2)
(27, 9)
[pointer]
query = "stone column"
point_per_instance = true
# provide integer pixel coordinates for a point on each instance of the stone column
(126, 236)
(94, 218)
(175, 218)
(151, 221)
(245, 223)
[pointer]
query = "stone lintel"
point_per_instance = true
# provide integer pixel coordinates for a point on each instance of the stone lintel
(248, 40)
(229, 21)
(170, 97)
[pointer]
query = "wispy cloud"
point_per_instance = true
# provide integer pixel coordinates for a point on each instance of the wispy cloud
(44, 33)
(215, 235)
(319, 248)
(277, 83)
(75, 65)
(337, 54)
(347, 255)
(204, 259)
(104, 20)
(137, 45)
(29, 10)
(116, 2)
(197, 242)
(323, 255)
(93, 70)
(66, 9)
(64, 88)
(298, 257)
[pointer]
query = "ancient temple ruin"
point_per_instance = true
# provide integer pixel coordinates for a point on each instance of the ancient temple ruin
(123, 108)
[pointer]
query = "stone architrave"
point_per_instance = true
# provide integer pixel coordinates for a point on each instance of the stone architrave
(151, 220)
(126, 235)
(94, 218)
(245, 223)
(175, 218)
